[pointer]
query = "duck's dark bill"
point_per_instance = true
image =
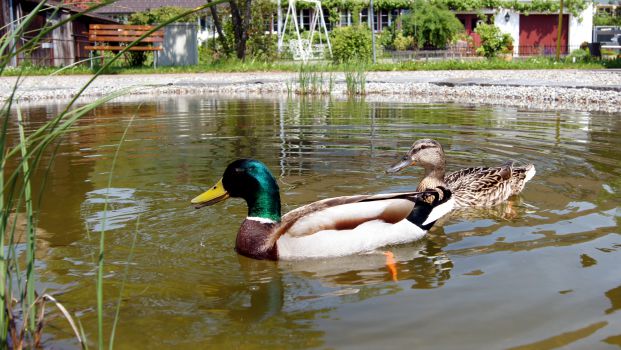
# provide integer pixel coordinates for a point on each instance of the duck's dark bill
(212, 196)
(400, 165)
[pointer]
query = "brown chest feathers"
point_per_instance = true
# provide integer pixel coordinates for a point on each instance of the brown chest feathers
(251, 240)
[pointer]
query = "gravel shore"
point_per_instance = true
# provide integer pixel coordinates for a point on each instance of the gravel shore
(584, 90)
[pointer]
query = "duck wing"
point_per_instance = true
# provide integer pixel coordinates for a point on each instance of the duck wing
(480, 186)
(347, 212)
(485, 186)
(341, 213)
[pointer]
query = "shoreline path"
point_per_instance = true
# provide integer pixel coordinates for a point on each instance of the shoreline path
(582, 90)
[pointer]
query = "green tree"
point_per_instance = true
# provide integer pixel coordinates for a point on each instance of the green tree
(261, 45)
(161, 14)
(431, 24)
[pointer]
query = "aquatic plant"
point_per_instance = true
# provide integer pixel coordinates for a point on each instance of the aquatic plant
(355, 80)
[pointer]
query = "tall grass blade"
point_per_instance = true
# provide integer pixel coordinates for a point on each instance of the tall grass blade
(83, 334)
(30, 231)
(100, 262)
(118, 303)
(67, 315)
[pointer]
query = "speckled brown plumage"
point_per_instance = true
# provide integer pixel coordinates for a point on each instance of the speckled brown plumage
(477, 186)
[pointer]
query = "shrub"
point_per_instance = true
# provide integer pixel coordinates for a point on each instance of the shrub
(431, 24)
(403, 42)
(579, 55)
(262, 47)
(493, 40)
(351, 44)
(387, 38)
(616, 63)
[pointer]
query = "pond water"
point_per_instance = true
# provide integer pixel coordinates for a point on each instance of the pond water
(539, 272)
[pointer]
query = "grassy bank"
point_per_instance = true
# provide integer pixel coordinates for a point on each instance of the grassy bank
(234, 66)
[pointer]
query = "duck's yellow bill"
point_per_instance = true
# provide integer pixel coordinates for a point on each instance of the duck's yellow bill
(212, 196)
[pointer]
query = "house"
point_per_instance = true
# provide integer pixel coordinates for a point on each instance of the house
(536, 33)
(533, 33)
(62, 46)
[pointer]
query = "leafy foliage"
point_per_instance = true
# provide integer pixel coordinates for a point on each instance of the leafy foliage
(575, 7)
(403, 42)
(579, 55)
(160, 15)
(605, 19)
(260, 44)
(351, 44)
(431, 25)
(387, 37)
(493, 40)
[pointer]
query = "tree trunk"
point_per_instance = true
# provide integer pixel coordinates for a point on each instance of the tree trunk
(218, 24)
(240, 26)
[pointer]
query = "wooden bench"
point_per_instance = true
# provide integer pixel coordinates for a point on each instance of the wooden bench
(115, 37)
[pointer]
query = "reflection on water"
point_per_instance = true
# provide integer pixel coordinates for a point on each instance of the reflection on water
(540, 271)
(124, 208)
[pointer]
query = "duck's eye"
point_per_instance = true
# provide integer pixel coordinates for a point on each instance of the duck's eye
(240, 170)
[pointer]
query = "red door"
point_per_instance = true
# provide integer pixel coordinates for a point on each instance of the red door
(470, 22)
(538, 34)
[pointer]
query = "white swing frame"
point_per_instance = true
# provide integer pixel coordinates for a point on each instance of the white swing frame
(303, 49)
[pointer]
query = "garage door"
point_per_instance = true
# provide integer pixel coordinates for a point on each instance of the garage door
(538, 34)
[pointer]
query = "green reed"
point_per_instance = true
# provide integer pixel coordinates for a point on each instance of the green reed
(18, 161)
(312, 81)
(355, 80)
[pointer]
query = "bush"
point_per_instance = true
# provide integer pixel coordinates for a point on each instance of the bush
(493, 40)
(386, 38)
(616, 63)
(262, 47)
(431, 25)
(403, 42)
(351, 44)
(579, 55)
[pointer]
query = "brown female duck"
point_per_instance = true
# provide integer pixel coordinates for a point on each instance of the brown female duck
(479, 186)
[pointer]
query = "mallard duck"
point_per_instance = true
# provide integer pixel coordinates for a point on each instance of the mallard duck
(479, 186)
(331, 227)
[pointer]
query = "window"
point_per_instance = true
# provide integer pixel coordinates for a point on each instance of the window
(305, 16)
(385, 20)
(345, 18)
(326, 19)
(473, 23)
(394, 14)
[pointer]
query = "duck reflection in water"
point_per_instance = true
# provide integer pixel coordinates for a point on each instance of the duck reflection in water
(424, 263)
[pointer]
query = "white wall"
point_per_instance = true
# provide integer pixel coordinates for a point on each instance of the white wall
(512, 27)
(581, 28)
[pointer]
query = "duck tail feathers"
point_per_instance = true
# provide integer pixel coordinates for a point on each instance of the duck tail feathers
(530, 172)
